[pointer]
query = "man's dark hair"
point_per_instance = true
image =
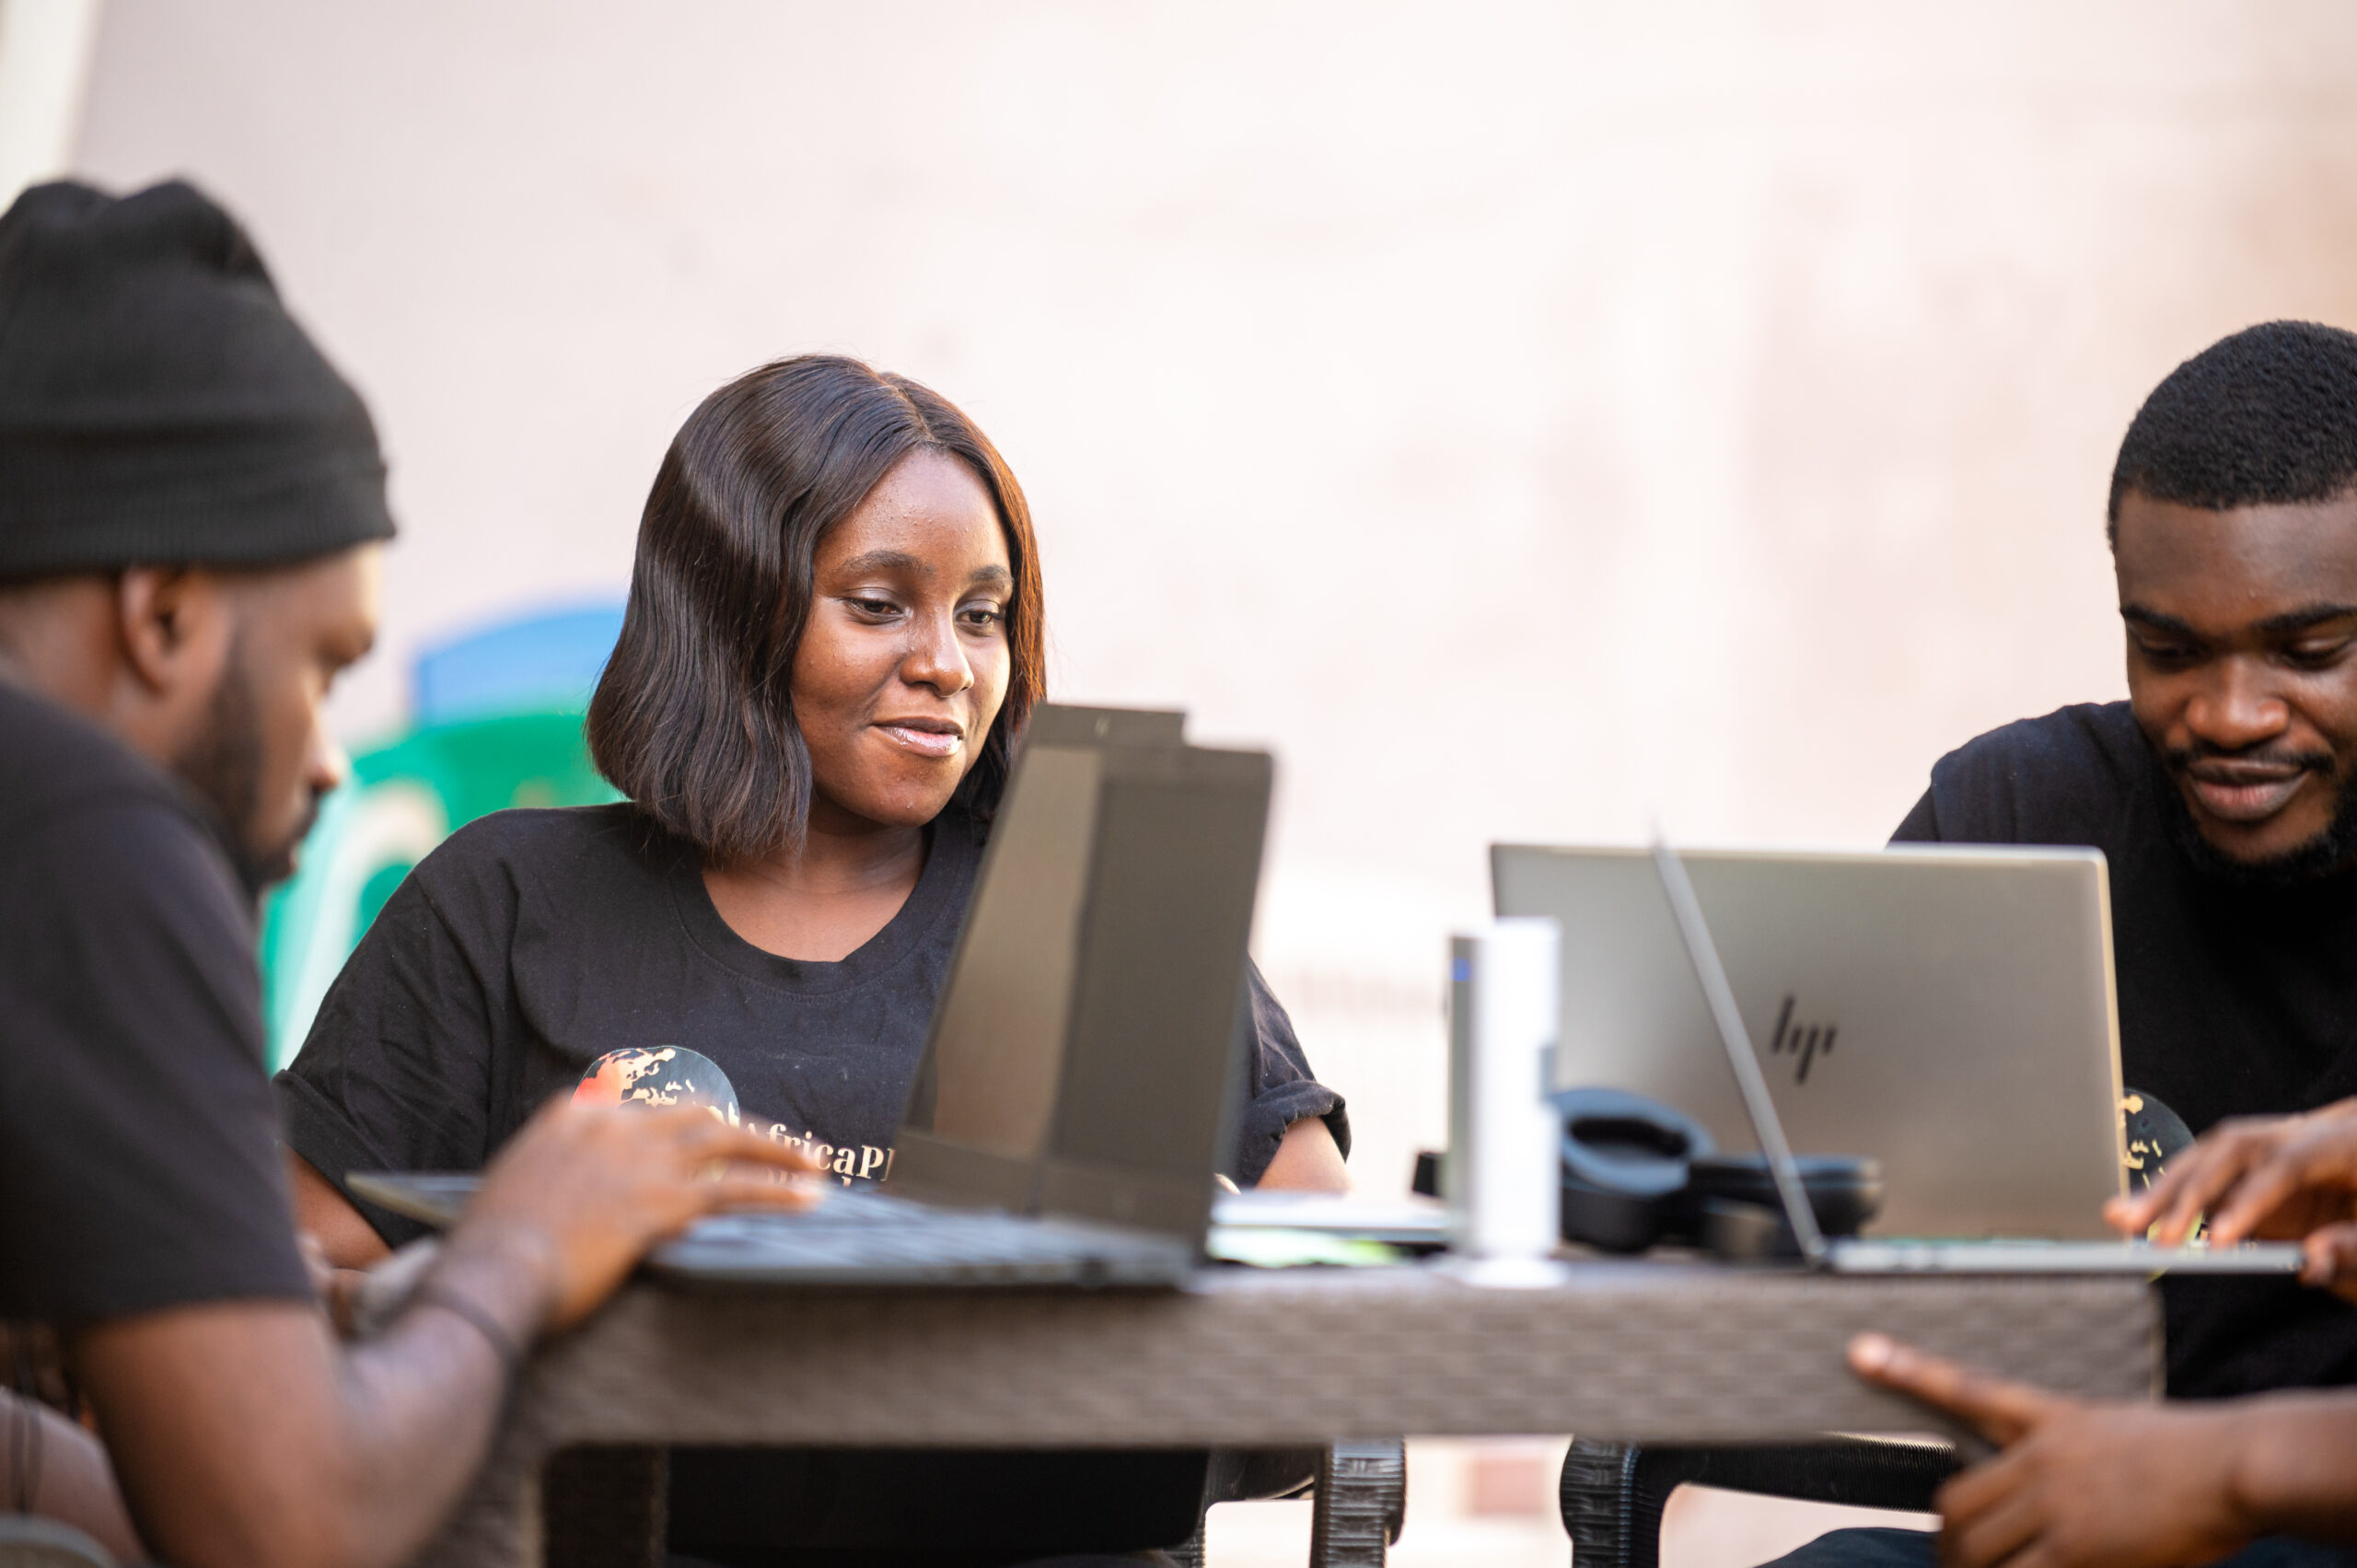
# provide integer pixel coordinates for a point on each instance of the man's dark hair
(2266, 417)
(694, 717)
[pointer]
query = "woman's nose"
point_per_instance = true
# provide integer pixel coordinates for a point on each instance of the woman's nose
(936, 658)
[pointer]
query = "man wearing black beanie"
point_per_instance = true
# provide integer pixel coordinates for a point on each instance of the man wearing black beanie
(157, 405)
(191, 509)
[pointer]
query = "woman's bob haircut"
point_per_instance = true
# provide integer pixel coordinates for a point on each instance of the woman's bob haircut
(694, 717)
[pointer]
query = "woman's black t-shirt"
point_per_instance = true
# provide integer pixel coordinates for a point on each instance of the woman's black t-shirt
(531, 944)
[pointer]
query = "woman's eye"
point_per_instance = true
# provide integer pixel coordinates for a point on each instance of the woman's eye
(878, 608)
(982, 618)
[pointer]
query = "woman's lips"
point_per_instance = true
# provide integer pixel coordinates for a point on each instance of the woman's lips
(2246, 799)
(925, 742)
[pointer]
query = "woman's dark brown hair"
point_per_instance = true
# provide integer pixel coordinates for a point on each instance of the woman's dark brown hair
(693, 718)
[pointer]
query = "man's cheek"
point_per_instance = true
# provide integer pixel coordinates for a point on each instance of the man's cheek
(2158, 707)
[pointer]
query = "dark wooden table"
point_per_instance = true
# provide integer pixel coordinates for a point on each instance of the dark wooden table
(1650, 1350)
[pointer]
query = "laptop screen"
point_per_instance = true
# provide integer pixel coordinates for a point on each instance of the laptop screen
(997, 1046)
(1162, 967)
(1081, 1050)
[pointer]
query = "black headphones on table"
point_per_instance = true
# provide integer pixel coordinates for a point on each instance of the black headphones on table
(1636, 1172)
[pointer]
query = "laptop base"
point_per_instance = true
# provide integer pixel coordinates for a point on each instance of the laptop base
(870, 1239)
(2030, 1257)
(857, 1237)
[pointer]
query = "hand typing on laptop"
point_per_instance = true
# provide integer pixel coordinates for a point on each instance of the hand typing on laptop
(2144, 1485)
(2283, 1178)
(587, 1190)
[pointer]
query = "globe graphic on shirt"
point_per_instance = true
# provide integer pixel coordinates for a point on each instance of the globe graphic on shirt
(658, 1075)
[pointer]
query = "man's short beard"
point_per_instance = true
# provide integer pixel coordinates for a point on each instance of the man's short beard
(225, 767)
(2329, 852)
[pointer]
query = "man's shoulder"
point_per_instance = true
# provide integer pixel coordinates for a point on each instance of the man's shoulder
(2064, 777)
(53, 759)
(2084, 736)
(86, 820)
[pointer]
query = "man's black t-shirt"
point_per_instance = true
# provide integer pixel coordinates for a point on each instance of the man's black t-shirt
(2234, 1001)
(139, 1166)
(534, 943)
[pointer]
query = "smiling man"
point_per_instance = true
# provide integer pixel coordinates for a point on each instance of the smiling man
(2219, 792)
(2220, 795)
(2239, 623)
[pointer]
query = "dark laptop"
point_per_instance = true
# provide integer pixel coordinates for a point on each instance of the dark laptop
(1071, 1106)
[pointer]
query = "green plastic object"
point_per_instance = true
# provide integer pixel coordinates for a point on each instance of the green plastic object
(402, 798)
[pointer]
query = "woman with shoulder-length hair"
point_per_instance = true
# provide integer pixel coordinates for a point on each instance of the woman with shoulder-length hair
(835, 633)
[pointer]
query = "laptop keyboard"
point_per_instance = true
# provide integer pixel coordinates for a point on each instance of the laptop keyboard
(867, 1234)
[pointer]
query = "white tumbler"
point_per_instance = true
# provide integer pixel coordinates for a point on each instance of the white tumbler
(1502, 1176)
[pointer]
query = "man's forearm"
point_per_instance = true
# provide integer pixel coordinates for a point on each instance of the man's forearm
(2295, 1466)
(422, 1398)
(243, 1435)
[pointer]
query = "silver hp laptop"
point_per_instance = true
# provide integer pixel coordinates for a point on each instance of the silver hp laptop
(1944, 1011)
(1071, 1103)
(1849, 1255)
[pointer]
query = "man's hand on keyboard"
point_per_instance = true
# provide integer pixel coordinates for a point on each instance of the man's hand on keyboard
(588, 1189)
(2279, 1178)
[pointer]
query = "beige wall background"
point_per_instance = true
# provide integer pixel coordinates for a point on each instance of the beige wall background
(1524, 418)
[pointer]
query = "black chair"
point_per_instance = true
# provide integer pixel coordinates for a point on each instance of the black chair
(1359, 1492)
(1613, 1493)
(603, 1508)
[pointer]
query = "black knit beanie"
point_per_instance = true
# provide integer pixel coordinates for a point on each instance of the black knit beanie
(157, 405)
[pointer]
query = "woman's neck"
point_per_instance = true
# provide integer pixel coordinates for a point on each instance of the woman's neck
(822, 901)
